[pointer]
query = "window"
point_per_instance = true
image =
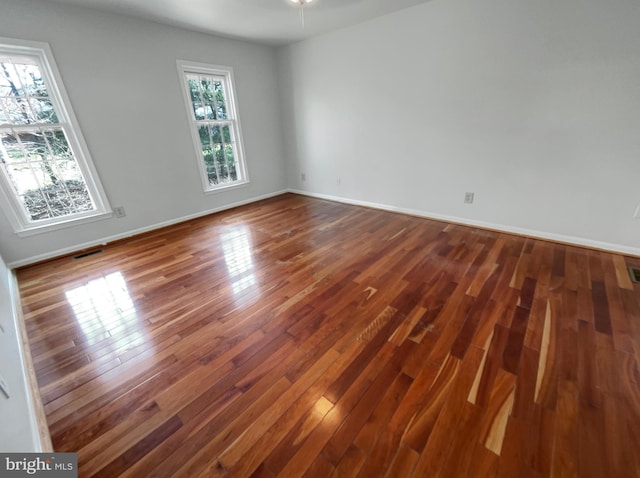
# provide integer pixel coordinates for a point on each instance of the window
(210, 99)
(46, 177)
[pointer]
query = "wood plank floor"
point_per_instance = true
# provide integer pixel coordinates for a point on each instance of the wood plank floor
(300, 337)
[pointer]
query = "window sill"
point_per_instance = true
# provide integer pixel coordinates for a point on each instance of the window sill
(32, 231)
(236, 185)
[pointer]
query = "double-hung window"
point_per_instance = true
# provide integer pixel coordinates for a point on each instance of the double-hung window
(211, 105)
(46, 176)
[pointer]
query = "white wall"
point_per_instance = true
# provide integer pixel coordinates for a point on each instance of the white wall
(123, 82)
(532, 105)
(19, 432)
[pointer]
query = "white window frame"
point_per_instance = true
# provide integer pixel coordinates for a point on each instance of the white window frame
(226, 74)
(22, 224)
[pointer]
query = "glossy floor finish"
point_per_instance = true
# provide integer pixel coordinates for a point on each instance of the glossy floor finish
(300, 337)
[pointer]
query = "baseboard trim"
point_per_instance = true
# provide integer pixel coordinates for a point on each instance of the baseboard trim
(563, 239)
(559, 238)
(37, 420)
(116, 237)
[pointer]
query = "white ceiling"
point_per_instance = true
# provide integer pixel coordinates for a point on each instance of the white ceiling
(275, 22)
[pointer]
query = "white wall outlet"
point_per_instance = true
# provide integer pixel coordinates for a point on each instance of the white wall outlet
(468, 198)
(339, 181)
(4, 387)
(119, 211)
(637, 213)
(303, 177)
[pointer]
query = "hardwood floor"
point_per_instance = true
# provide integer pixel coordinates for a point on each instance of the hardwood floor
(300, 337)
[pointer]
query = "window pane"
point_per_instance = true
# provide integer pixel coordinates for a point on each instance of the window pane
(45, 174)
(198, 110)
(210, 111)
(31, 80)
(35, 146)
(82, 199)
(51, 194)
(207, 89)
(13, 151)
(10, 79)
(228, 152)
(219, 154)
(48, 188)
(226, 134)
(231, 162)
(207, 154)
(36, 205)
(203, 132)
(68, 170)
(219, 92)
(25, 80)
(212, 175)
(17, 82)
(193, 89)
(17, 111)
(58, 143)
(43, 110)
(222, 111)
(22, 178)
(36, 78)
(219, 162)
(215, 134)
(5, 85)
(77, 190)
(58, 199)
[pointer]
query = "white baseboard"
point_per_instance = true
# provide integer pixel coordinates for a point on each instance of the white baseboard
(135, 232)
(24, 425)
(578, 241)
(39, 430)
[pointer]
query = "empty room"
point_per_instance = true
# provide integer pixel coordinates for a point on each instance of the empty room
(320, 238)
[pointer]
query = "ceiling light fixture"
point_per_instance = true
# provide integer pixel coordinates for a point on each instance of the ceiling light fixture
(301, 3)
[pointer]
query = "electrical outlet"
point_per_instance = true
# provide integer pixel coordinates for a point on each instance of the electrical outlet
(303, 176)
(637, 213)
(339, 181)
(468, 198)
(119, 211)
(4, 387)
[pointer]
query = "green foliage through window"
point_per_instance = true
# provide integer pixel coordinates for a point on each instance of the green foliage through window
(215, 128)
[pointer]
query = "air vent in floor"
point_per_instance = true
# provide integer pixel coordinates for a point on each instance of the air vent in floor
(87, 254)
(634, 272)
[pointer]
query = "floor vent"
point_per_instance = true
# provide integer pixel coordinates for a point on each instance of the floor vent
(635, 274)
(91, 253)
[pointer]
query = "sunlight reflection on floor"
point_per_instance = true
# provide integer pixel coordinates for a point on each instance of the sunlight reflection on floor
(103, 308)
(238, 254)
